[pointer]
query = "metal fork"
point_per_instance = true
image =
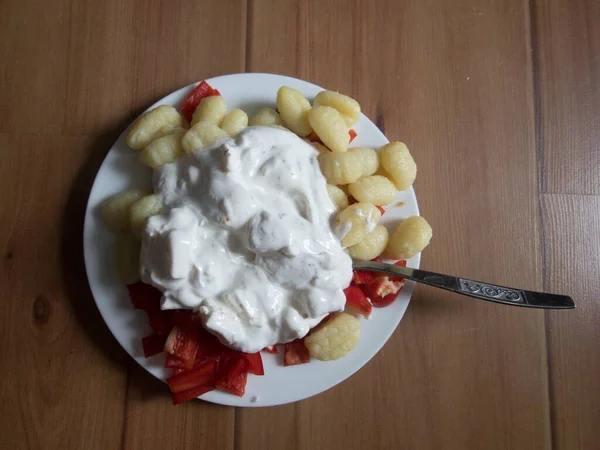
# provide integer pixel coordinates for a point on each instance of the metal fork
(472, 288)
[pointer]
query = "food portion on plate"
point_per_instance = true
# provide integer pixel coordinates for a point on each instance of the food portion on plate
(245, 243)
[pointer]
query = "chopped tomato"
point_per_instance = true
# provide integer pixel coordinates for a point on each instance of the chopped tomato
(362, 276)
(173, 362)
(295, 352)
(160, 321)
(233, 374)
(352, 134)
(143, 296)
(312, 137)
(187, 320)
(153, 345)
(358, 301)
(352, 200)
(189, 105)
(184, 345)
(256, 364)
(378, 259)
(381, 210)
(382, 291)
(270, 349)
(202, 374)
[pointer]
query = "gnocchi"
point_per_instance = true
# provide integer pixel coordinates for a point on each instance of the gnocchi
(337, 196)
(127, 258)
(346, 106)
(329, 125)
(409, 238)
(370, 160)
(320, 147)
(355, 222)
(211, 109)
(163, 150)
(335, 339)
(153, 124)
(140, 211)
(374, 189)
(399, 163)
(372, 245)
(115, 210)
(234, 122)
(340, 168)
(266, 117)
(294, 109)
(202, 134)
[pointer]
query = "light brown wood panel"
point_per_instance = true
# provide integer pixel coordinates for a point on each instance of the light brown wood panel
(568, 67)
(153, 422)
(63, 377)
(572, 261)
(136, 52)
(452, 79)
(34, 39)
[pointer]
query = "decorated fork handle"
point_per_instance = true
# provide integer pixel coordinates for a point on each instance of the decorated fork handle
(472, 288)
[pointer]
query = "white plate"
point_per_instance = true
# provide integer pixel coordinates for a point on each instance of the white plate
(121, 170)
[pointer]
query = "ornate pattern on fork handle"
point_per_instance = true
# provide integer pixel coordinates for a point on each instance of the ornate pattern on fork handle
(491, 291)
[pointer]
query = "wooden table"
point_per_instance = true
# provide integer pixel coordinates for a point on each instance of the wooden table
(499, 101)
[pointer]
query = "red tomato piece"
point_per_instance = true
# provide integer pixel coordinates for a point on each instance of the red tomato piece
(160, 321)
(312, 137)
(153, 345)
(202, 374)
(143, 296)
(358, 301)
(191, 394)
(190, 103)
(186, 319)
(352, 134)
(184, 345)
(382, 291)
(173, 362)
(233, 373)
(362, 276)
(270, 349)
(256, 364)
(295, 352)
(351, 200)
(378, 259)
(381, 210)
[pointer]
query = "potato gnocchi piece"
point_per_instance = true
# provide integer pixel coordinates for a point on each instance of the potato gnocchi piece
(337, 196)
(153, 124)
(293, 109)
(140, 211)
(372, 245)
(127, 258)
(399, 163)
(329, 125)
(202, 134)
(356, 221)
(335, 339)
(346, 106)
(115, 210)
(409, 238)
(234, 122)
(374, 189)
(265, 117)
(340, 168)
(211, 109)
(320, 147)
(163, 150)
(370, 160)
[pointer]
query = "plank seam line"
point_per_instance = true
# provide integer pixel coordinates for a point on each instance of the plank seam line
(541, 183)
(126, 408)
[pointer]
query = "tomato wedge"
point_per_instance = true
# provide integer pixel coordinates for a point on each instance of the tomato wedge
(362, 276)
(190, 394)
(401, 263)
(160, 321)
(184, 345)
(270, 349)
(190, 103)
(256, 364)
(381, 210)
(144, 297)
(153, 345)
(233, 374)
(295, 352)
(201, 374)
(358, 301)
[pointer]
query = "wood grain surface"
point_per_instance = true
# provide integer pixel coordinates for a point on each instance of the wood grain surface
(498, 101)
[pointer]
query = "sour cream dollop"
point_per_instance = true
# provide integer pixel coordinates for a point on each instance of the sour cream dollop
(246, 239)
